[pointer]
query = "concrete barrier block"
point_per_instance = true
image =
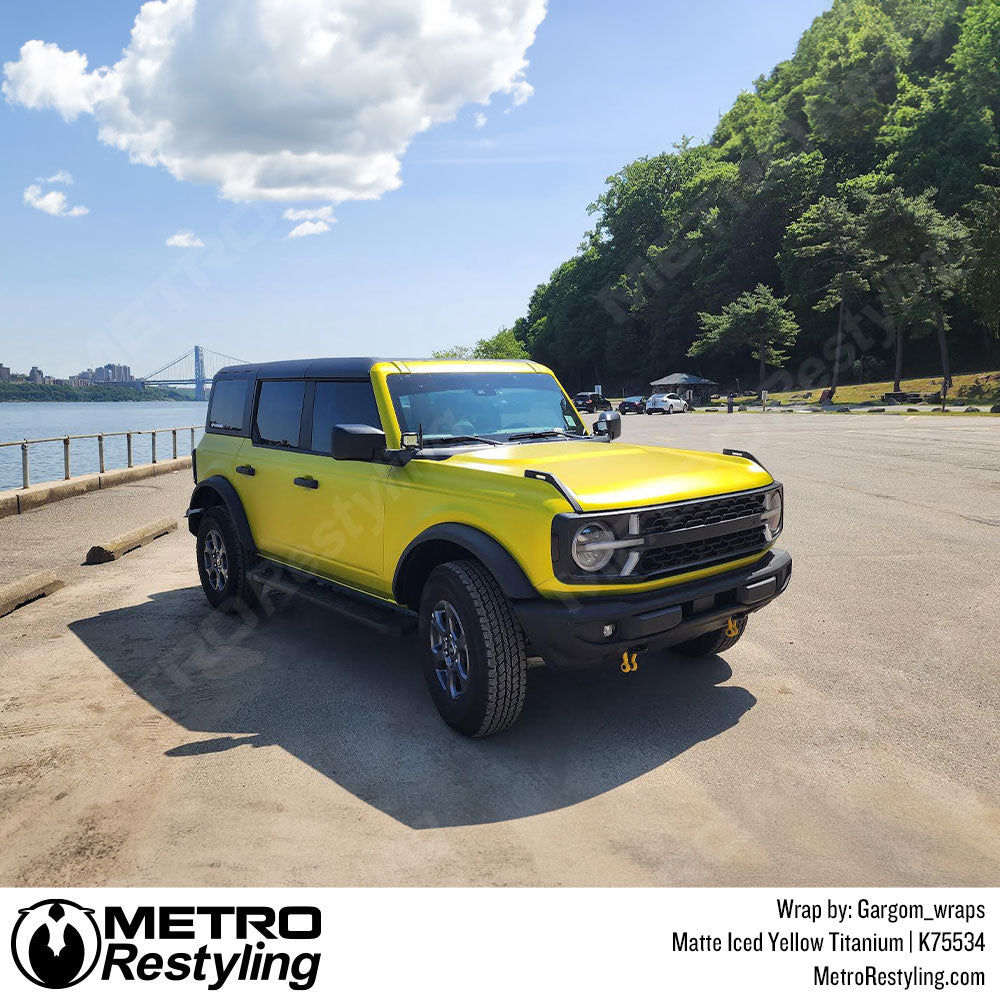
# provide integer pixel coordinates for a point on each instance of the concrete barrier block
(117, 547)
(13, 595)
(172, 465)
(43, 493)
(8, 504)
(119, 477)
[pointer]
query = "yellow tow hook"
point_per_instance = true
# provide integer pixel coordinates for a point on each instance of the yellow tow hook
(629, 665)
(732, 628)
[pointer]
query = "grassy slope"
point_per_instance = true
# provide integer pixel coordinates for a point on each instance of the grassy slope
(963, 389)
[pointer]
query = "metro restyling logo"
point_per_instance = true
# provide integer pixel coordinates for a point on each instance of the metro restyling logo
(57, 943)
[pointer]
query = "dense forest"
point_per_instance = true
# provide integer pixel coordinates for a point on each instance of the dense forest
(852, 198)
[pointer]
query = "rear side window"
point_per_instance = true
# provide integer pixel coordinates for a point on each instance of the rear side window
(341, 403)
(279, 413)
(225, 411)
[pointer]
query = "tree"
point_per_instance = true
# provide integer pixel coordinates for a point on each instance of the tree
(922, 255)
(458, 351)
(831, 239)
(757, 320)
(984, 275)
(503, 346)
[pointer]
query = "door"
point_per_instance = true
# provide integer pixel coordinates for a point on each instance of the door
(268, 465)
(341, 520)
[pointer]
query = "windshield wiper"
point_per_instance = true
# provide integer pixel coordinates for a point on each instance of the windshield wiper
(457, 439)
(532, 435)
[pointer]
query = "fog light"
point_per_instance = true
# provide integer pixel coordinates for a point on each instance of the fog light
(608, 631)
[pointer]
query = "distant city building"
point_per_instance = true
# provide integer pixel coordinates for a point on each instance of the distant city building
(4, 373)
(36, 375)
(104, 373)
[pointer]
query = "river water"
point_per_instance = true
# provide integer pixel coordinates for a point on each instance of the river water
(38, 420)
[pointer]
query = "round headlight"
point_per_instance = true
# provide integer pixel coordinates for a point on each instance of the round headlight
(772, 515)
(591, 547)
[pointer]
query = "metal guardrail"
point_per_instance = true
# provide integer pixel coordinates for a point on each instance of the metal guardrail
(128, 435)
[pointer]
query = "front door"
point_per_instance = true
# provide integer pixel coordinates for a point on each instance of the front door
(340, 521)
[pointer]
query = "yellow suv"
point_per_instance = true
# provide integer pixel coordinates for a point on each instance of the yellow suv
(467, 500)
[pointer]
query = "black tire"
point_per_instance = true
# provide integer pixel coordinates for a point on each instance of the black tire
(712, 643)
(490, 697)
(224, 576)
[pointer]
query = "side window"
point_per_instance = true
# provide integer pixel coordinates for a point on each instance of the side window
(225, 409)
(279, 413)
(341, 403)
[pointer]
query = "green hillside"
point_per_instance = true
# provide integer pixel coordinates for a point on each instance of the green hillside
(855, 187)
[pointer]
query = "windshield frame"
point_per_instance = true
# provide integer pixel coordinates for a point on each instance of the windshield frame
(394, 381)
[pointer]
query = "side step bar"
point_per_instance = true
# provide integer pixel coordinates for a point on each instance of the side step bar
(384, 617)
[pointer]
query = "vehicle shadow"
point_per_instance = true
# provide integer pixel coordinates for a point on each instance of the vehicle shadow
(353, 705)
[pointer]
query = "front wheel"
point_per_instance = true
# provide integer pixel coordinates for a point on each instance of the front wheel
(474, 660)
(714, 642)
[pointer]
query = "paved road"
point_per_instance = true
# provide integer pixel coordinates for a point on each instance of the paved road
(850, 738)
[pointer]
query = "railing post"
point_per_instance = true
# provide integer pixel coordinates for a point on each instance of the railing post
(153, 434)
(100, 452)
(24, 465)
(66, 457)
(128, 447)
(173, 434)
(192, 440)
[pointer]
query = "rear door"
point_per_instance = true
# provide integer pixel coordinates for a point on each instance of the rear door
(270, 463)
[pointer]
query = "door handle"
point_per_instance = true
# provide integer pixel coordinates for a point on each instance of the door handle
(246, 470)
(307, 481)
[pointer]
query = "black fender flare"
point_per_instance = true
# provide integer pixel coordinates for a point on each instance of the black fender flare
(505, 568)
(225, 489)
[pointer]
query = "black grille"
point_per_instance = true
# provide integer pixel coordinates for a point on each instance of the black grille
(694, 515)
(707, 551)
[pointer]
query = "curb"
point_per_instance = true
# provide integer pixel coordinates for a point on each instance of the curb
(13, 595)
(19, 501)
(117, 547)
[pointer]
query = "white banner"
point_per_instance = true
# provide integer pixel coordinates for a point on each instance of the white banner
(501, 943)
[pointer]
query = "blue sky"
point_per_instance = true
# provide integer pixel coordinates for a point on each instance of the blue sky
(482, 216)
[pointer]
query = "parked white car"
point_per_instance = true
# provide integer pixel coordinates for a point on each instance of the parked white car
(666, 402)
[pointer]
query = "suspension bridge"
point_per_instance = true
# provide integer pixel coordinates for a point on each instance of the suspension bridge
(197, 368)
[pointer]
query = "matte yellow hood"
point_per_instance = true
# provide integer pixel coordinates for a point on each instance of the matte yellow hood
(604, 476)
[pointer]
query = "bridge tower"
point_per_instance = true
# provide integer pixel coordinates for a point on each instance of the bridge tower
(199, 374)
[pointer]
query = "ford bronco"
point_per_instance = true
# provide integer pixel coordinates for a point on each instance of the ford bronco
(467, 500)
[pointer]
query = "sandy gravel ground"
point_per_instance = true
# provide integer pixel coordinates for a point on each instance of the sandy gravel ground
(850, 738)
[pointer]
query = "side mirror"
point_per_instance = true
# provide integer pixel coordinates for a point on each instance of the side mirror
(356, 443)
(609, 423)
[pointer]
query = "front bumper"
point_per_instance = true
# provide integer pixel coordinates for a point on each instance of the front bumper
(568, 634)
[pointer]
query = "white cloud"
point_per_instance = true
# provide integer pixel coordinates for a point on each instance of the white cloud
(300, 100)
(324, 212)
(51, 202)
(185, 239)
(308, 229)
(478, 119)
(59, 177)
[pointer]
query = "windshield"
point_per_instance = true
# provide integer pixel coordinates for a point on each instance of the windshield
(495, 405)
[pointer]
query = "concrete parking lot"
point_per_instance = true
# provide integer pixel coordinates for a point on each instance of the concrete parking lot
(850, 738)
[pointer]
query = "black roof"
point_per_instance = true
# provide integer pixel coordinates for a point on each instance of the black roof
(303, 368)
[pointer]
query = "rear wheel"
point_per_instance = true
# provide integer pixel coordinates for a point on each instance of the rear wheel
(224, 563)
(474, 660)
(714, 642)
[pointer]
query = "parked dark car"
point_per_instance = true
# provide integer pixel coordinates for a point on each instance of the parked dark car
(591, 402)
(632, 404)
